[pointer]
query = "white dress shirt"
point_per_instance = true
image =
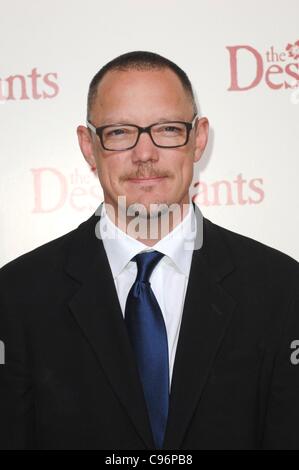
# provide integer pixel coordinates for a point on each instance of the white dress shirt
(170, 276)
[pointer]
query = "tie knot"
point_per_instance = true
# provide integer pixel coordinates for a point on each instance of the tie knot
(146, 262)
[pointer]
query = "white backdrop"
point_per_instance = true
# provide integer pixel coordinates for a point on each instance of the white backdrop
(243, 61)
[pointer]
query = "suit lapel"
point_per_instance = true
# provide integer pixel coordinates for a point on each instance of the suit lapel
(96, 308)
(207, 312)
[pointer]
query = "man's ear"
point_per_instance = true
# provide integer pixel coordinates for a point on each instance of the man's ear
(86, 145)
(201, 137)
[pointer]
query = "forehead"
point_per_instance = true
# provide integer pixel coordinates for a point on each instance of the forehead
(141, 94)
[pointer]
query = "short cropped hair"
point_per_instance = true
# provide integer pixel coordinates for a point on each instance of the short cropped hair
(138, 60)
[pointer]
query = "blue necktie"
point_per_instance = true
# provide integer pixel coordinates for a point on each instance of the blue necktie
(147, 332)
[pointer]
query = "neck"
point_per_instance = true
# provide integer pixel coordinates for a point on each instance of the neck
(149, 228)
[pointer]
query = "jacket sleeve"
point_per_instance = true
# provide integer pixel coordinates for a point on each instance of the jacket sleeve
(282, 422)
(16, 388)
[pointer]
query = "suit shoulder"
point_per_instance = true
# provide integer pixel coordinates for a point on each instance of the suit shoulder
(48, 256)
(253, 253)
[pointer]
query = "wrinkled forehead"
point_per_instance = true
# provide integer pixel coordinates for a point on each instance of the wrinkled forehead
(141, 93)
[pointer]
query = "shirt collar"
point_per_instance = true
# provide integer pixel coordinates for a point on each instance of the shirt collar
(177, 245)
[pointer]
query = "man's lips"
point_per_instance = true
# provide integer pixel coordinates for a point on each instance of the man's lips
(152, 179)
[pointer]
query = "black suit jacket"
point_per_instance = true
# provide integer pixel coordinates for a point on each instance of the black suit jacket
(70, 379)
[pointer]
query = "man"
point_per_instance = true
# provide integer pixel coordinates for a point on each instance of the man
(183, 340)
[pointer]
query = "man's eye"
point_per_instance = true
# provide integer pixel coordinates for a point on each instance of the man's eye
(116, 132)
(170, 129)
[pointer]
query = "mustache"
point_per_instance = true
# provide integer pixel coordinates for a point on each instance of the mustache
(146, 174)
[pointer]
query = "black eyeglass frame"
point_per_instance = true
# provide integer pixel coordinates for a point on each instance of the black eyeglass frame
(99, 132)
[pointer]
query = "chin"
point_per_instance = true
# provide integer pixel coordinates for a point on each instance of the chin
(149, 208)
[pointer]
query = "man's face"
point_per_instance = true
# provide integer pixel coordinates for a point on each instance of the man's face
(143, 98)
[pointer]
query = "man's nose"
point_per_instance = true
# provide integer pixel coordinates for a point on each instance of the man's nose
(145, 149)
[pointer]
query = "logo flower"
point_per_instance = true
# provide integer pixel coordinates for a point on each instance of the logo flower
(293, 50)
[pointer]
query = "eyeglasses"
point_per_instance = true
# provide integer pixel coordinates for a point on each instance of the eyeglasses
(120, 137)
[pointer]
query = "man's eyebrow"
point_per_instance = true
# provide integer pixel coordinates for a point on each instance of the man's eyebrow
(119, 120)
